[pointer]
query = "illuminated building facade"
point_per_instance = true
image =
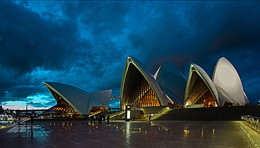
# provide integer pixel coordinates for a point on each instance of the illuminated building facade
(167, 87)
(74, 102)
(225, 90)
(139, 88)
(200, 89)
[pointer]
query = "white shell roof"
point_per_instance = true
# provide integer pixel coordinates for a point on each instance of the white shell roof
(172, 82)
(149, 78)
(76, 97)
(205, 78)
(226, 77)
(222, 97)
(79, 99)
(101, 97)
(157, 72)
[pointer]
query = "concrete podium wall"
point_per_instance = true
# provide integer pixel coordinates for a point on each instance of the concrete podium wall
(210, 114)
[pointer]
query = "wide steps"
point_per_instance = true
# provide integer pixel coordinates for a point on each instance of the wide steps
(117, 115)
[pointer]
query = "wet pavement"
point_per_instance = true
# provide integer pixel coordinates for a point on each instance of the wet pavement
(125, 134)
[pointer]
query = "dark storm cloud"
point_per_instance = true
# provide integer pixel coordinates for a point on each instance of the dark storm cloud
(5, 81)
(27, 41)
(85, 44)
(24, 91)
(192, 31)
(102, 23)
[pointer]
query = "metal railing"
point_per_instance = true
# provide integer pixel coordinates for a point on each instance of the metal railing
(251, 121)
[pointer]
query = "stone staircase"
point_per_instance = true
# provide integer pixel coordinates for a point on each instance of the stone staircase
(118, 115)
(161, 113)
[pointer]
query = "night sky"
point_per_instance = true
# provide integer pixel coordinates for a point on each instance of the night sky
(86, 44)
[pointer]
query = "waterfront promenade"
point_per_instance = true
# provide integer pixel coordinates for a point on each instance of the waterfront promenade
(127, 134)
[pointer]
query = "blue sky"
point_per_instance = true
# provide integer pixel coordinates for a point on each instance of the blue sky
(86, 44)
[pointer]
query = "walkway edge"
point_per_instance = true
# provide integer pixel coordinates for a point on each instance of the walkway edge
(251, 136)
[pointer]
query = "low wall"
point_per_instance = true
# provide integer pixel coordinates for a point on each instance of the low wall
(153, 110)
(214, 113)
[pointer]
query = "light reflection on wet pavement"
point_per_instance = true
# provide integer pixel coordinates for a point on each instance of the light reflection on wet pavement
(125, 134)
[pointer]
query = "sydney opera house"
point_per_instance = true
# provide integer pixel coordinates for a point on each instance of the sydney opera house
(75, 102)
(168, 87)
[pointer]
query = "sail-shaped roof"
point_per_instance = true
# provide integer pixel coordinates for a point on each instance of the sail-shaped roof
(172, 82)
(101, 98)
(227, 80)
(132, 68)
(226, 86)
(206, 79)
(77, 98)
